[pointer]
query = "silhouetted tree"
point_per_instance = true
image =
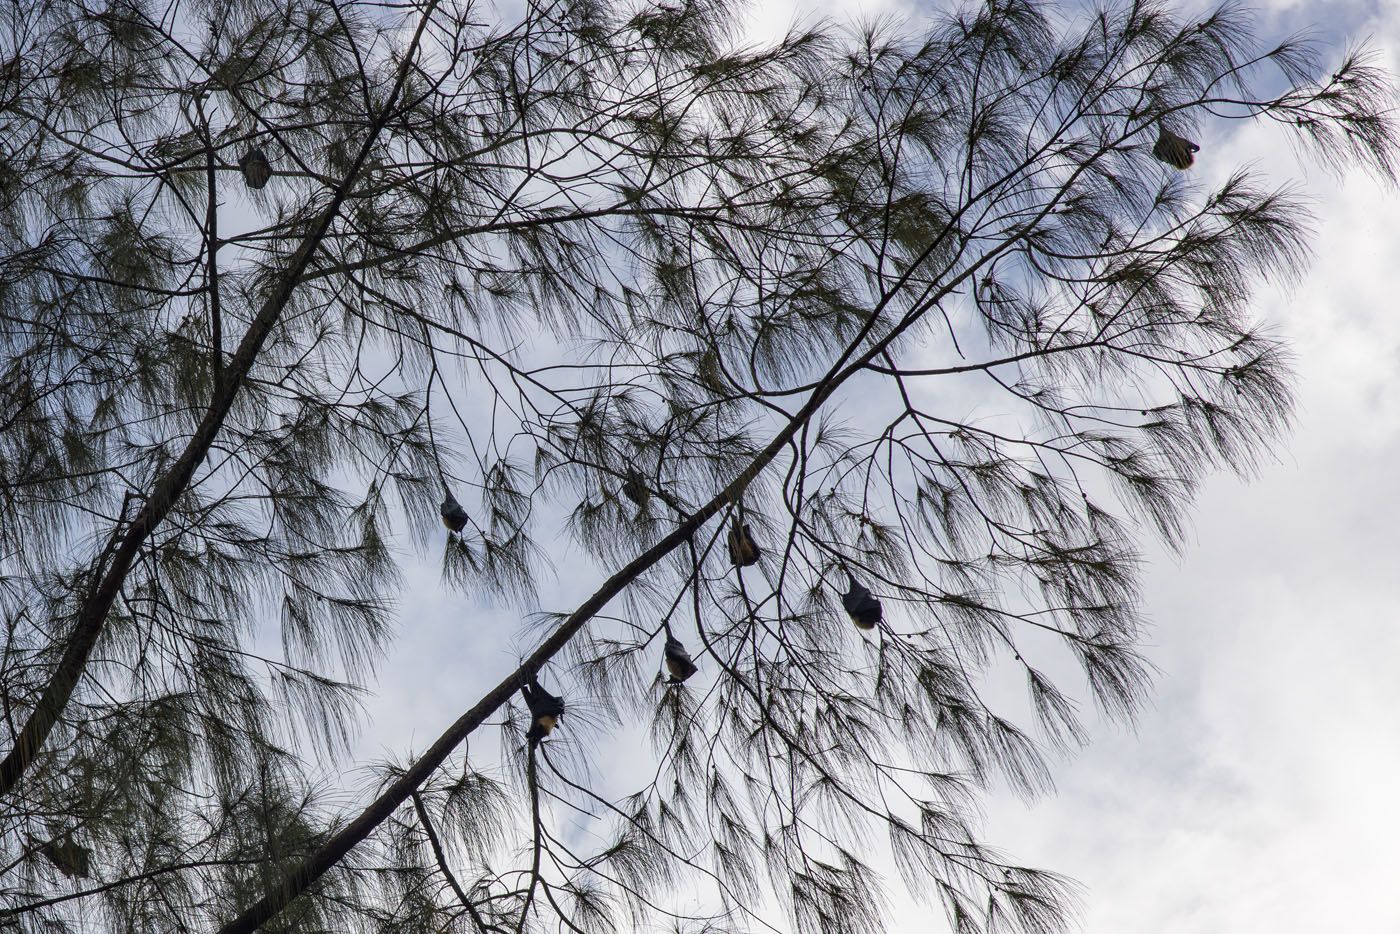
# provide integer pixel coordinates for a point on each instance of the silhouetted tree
(855, 362)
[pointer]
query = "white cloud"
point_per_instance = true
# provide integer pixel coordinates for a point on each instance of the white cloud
(1257, 793)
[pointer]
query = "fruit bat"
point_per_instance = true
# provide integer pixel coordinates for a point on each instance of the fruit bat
(545, 710)
(453, 515)
(69, 858)
(1176, 151)
(634, 487)
(256, 169)
(864, 609)
(678, 661)
(743, 551)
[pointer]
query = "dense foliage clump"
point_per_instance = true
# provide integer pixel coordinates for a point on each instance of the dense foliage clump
(854, 362)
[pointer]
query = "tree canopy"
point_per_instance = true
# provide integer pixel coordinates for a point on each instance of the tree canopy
(856, 364)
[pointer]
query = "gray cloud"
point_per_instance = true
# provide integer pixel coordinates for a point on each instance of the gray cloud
(1256, 794)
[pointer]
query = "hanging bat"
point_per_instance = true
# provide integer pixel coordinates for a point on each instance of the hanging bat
(453, 515)
(634, 487)
(865, 611)
(678, 661)
(743, 550)
(1176, 151)
(256, 169)
(69, 858)
(545, 710)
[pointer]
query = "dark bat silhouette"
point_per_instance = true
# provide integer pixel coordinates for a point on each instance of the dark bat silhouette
(865, 611)
(1176, 151)
(634, 487)
(743, 550)
(545, 710)
(256, 169)
(453, 515)
(678, 661)
(70, 858)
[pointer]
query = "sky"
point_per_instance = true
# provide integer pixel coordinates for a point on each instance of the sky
(1256, 792)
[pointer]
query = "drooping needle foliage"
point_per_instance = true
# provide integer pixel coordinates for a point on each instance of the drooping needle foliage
(924, 326)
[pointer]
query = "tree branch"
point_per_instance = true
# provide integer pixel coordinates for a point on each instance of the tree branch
(92, 615)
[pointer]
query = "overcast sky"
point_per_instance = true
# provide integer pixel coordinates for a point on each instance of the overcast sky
(1257, 794)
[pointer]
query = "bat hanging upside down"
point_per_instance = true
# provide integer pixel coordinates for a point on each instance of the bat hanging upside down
(545, 710)
(865, 611)
(256, 168)
(743, 550)
(678, 661)
(1176, 151)
(453, 515)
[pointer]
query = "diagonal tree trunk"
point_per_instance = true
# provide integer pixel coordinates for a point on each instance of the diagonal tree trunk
(298, 880)
(114, 564)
